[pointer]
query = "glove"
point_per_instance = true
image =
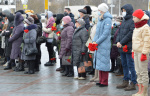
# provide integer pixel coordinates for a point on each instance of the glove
(143, 57)
(59, 38)
(133, 55)
(83, 53)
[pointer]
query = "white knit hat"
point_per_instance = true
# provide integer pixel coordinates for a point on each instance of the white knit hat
(103, 7)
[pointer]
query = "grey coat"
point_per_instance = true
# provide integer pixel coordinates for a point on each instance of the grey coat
(80, 38)
(16, 38)
(29, 40)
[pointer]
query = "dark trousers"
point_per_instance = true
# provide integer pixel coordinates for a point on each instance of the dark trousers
(38, 57)
(50, 50)
(62, 66)
(103, 77)
(113, 61)
(31, 65)
(69, 69)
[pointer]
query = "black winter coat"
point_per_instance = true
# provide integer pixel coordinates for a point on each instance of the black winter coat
(8, 45)
(87, 21)
(80, 38)
(126, 29)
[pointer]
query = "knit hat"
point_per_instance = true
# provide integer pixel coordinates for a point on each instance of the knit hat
(82, 11)
(50, 14)
(138, 13)
(81, 21)
(103, 7)
(67, 19)
(29, 20)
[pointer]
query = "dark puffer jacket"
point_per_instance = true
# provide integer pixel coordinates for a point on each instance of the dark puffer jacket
(126, 29)
(87, 21)
(7, 34)
(66, 40)
(80, 38)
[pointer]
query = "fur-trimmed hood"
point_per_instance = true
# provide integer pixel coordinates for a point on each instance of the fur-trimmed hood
(30, 27)
(18, 19)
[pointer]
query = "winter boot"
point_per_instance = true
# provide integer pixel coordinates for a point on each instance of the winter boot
(123, 85)
(8, 66)
(130, 87)
(144, 91)
(49, 64)
(140, 87)
(95, 77)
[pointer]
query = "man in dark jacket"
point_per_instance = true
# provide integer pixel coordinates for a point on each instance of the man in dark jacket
(68, 13)
(125, 38)
(1, 27)
(83, 15)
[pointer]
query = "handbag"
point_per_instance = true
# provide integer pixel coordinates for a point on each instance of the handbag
(65, 60)
(81, 69)
(31, 50)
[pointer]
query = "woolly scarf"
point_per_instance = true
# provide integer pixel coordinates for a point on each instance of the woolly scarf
(141, 23)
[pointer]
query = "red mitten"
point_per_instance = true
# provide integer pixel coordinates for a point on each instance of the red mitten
(83, 53)
(133, 55)
(143, 57)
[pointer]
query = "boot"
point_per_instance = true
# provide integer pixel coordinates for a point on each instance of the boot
(66, 71)
(140, 87)
(123, 85)
(130, 87)
(144, 91)
(8, 66)
(31, 68)
(49, 64)
(95, 77)
(71, 72)
(21, 67)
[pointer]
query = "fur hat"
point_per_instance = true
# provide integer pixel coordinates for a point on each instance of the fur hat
(81, 22)
(29, 20)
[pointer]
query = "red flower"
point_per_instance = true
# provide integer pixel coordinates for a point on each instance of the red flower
(26, 31)
(69, 60)
(2, 22)
(53, 28)
(58, 32)
(125, 48)
(90, 55)
(11, 27)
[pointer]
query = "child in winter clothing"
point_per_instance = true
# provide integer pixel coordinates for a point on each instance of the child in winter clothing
(140, 52)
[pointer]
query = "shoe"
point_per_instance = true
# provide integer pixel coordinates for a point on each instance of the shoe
(102, 85)
(138, 93)
(59, 69)
(123, 85)
(62, 71)
(65, 74)
(8, 66)
(29, 72)
(49, 64)
(144, 91)
(76, 77)
(130, 87)
(98, 84)
(95, 77)
(70, 75)
(81, 78)
(5, 64)
(21, 67)
(119, 74)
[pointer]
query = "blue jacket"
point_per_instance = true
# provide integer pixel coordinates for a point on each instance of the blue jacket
(103, 39)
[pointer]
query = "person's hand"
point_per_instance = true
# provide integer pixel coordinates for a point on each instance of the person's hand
(119, 45)
(94, 43)
(10, 36)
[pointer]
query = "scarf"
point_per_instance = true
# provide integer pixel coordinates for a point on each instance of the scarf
(141, 23)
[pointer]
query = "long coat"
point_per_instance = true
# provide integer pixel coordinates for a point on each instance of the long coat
(126, 29)
(103, 39)
(66, 39)
(80, 38)
(17, 37)
(10, 27)
(29, 42)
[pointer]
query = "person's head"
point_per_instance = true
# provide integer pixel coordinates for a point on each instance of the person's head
(49, 14)
(80, 22)
(67, 11)
(29, 21)
(127, 10)
(102, 8)
(137, 15)
(82, 12)
(66, 20)
(59, 18)
(88, 9)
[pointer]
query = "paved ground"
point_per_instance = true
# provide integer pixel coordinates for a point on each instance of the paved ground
(48, 82)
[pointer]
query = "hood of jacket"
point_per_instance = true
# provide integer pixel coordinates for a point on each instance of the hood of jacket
(50, 14)
(10, 17)
(129, 10)
(18, 19)
(107, 15)
(69, 24)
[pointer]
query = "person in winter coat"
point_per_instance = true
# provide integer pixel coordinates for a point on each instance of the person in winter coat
(7, 34)
(1, 28)
(83, 15)
(29, 41)
(66, 43)
(79, 49)
(68, 13)
(140, 50)
(125, 38)
(102, 38)
(37, 19)
(16, 40)
(48, 33)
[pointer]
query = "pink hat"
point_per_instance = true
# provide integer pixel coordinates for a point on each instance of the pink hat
(67, 19)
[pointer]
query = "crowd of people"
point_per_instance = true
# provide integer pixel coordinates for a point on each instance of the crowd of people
(126, 43)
